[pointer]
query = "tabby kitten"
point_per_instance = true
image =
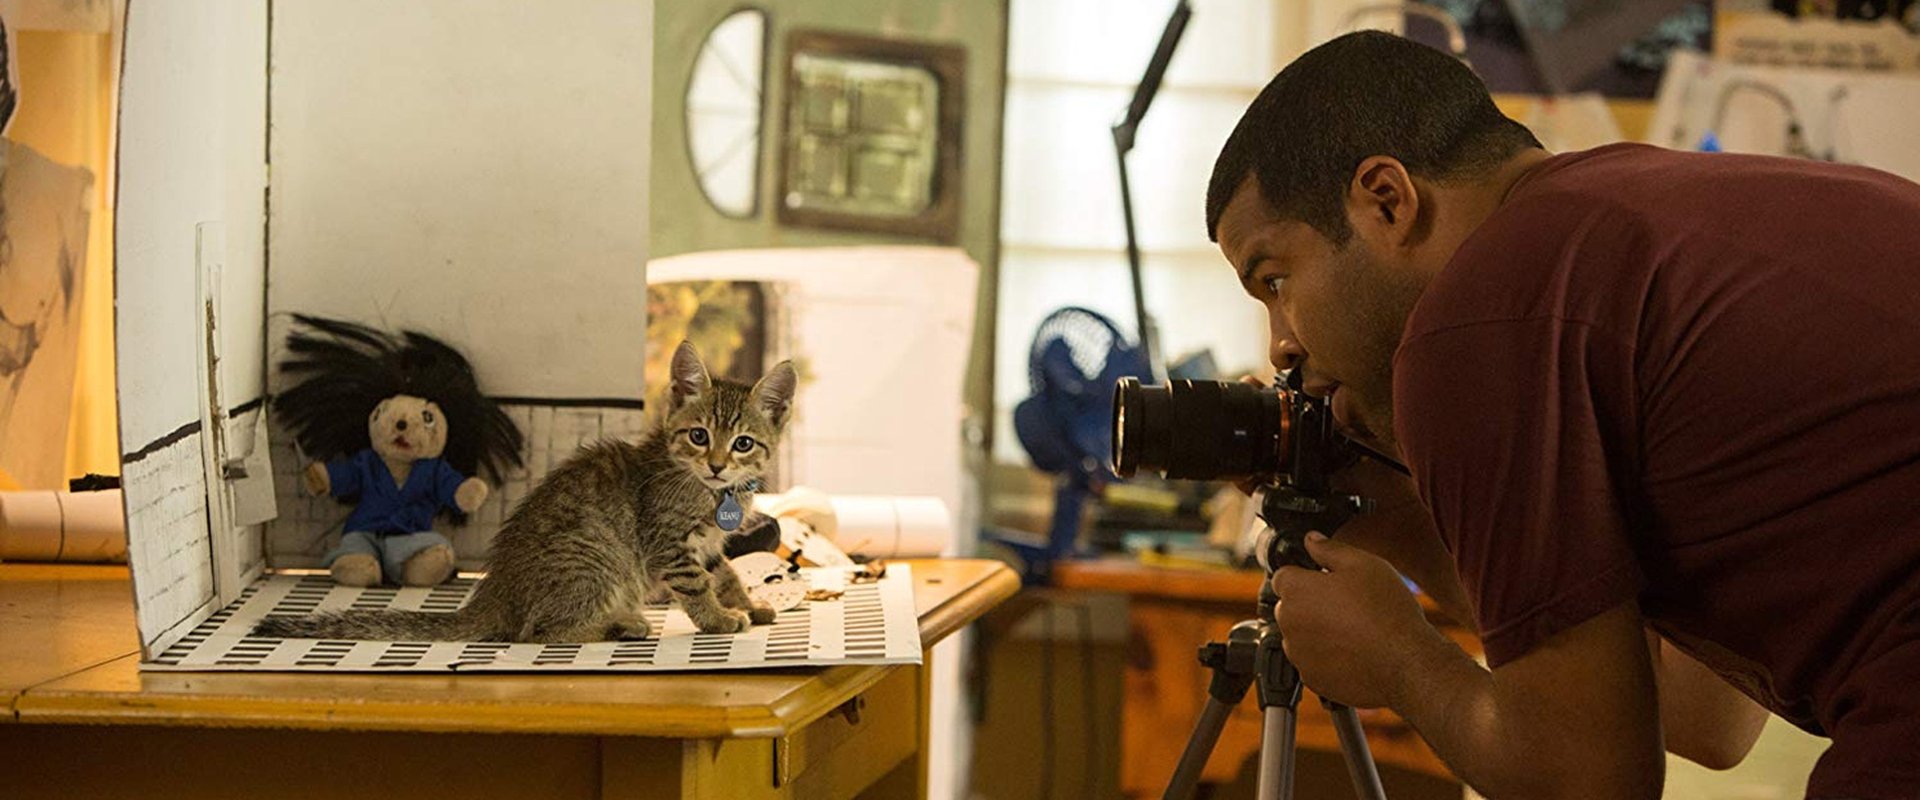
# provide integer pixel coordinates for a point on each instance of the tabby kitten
(580, 556)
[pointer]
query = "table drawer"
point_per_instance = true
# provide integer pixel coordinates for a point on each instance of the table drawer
(845, 751)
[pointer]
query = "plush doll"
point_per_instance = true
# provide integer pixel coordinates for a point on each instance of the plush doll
(400, 428)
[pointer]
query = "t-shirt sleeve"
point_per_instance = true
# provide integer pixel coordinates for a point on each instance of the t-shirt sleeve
(446, 483)
(1513, 430)
(343, 477)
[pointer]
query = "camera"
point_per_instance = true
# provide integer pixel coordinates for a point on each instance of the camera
(1278, 437)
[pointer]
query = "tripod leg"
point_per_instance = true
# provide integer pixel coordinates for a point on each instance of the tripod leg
(1232, 665)
(1276, 753)
(1353, 742)
(1186, 776)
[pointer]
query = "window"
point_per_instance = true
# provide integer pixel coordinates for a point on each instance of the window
(723, 111)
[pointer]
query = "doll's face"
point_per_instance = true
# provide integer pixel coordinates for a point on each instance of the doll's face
(404, 427)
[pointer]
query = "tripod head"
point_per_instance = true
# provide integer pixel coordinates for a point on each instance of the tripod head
(1300, 499)
(1280, 437)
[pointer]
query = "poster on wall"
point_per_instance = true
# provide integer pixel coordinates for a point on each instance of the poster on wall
(72, 16)
(1863, 35)
(1617, 49)
(43, 253)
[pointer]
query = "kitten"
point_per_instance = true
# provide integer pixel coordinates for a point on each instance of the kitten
(581, 554)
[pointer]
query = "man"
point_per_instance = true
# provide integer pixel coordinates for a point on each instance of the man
(1662, 411)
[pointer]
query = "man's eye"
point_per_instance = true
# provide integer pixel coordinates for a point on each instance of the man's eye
(1273, 286)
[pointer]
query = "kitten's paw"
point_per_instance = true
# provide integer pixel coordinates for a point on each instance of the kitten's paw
(631, 629)
(761, 614)
(725, 620)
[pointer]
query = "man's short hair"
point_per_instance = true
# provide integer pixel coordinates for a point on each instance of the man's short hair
(1361, 95)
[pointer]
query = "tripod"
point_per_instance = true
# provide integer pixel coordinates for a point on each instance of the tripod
(1251, 656)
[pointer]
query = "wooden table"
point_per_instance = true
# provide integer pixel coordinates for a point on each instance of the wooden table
(88, 723)
(1171, 612)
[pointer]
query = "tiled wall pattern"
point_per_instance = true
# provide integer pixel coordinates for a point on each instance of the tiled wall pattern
(166, 496)
(308, 527)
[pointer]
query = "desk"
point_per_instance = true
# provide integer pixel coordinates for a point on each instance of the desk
(1171, 612)
(85, 722)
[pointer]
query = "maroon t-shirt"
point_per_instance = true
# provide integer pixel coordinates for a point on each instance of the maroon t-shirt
(1692, 379)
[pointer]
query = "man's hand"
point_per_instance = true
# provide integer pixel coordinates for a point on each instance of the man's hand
(1353, 629)
(1400, 530)
(1397, 529)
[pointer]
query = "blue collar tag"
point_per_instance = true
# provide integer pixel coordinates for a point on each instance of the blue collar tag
(729, 515)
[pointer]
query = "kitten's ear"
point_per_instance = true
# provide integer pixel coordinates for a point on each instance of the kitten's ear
(689, 376)
(773, 394)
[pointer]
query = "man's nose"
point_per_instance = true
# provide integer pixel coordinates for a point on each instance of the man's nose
(1284, 352)
(1283, 348)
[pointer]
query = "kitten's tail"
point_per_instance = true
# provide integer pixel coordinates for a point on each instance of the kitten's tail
(393, 626)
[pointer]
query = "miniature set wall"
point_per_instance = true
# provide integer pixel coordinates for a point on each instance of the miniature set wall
(684, 222)
(477, 171)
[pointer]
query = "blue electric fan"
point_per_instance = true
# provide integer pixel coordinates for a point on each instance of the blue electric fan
(1077, 355)
(1066, 424)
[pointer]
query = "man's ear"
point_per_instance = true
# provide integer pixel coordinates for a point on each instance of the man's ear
(690, 378)
(1382, 200)
(773, 393)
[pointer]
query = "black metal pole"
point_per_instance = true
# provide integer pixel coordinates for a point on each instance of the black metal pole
(1141, 324)
(1123, 133)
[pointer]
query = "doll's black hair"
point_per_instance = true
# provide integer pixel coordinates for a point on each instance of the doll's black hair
(344, 369)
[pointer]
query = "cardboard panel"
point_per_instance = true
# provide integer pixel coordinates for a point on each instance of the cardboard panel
(875, 414)
(192, 174)
(474, 169)
(477, 170)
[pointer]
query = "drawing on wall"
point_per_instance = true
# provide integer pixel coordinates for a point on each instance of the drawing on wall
(9, 78)
(1568, 46)
(89, 16)
(43, 251)
(726, 319)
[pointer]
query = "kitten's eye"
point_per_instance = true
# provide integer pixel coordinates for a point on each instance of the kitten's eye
(427, 417)
(743, 444)
(698, 436)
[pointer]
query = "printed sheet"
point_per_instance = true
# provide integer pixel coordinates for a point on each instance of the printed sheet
(870, 623)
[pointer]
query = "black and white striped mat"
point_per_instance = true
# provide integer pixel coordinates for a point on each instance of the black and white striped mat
(872, 623)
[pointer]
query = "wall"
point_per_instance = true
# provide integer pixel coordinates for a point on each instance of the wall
(683, 222)
(192, 172)
(1857, 118)
(477, 171)
(1072, 68)
(866, 404)
(474, 170)
(69, 64)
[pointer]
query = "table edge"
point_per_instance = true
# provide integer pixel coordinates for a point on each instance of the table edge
(48, 705)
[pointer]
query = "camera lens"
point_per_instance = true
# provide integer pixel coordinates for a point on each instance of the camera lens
(1198, 430)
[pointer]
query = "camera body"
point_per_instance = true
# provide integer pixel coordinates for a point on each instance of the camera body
(1279, 438)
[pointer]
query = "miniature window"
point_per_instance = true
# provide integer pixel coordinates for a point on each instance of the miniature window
(723, 105)
(872, 135)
